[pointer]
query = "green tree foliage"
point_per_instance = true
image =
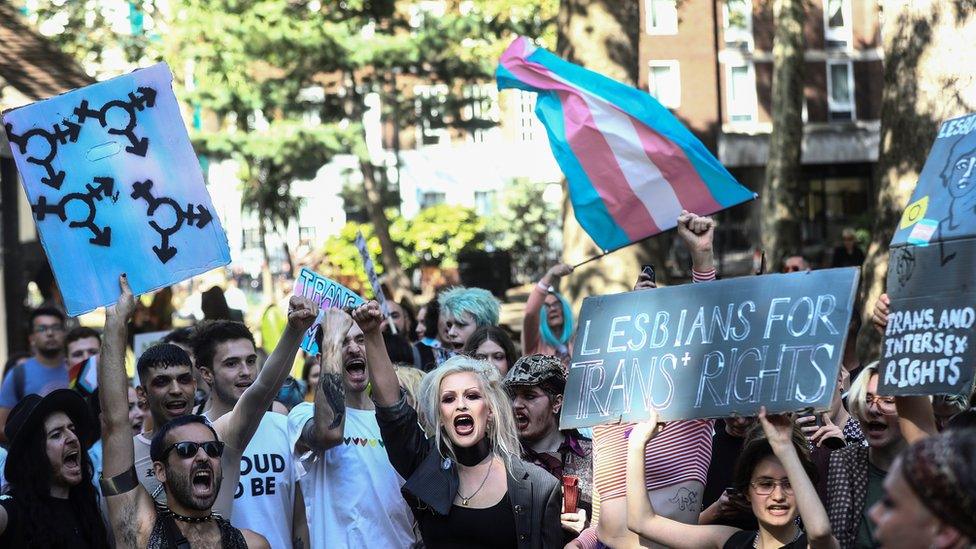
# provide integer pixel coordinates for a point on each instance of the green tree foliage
(523, 228)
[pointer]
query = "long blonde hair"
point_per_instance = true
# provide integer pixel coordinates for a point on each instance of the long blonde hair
(501, 430)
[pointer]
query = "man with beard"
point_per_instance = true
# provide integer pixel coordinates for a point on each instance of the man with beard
(45, 371)
(268, 486)
(168, 386)
(185, 452)
(352, 490)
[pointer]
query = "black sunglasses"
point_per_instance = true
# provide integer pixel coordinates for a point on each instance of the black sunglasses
(188, 449)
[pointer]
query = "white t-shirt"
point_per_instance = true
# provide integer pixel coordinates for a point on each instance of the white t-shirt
(265, 496)
(352, 493)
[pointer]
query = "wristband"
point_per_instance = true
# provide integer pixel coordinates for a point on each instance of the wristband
(119, 484)
(543, 287)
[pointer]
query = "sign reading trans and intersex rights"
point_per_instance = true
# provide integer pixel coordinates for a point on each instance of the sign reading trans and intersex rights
(713, 349)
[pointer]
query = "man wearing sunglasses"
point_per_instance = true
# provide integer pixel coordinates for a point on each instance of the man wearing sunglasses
(45, 371)
(169, 388)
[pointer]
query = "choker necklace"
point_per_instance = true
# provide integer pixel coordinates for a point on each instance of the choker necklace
(191, 520)
(469, 457)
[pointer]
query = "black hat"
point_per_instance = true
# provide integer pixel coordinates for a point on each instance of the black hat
(29, 414)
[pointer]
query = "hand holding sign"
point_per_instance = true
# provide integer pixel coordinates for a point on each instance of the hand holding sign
(644, 431)
(778, 429)
(880, 316)
(302, 312)
(123, 309)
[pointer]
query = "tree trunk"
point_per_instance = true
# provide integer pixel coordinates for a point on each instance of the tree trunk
(780, 223)
(603, 35)
(929, 76)
(397, 281)
(267, 281)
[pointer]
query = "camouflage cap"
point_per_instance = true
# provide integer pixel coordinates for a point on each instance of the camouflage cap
(536, 370)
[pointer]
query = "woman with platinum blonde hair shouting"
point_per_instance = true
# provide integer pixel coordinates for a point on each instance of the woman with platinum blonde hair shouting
(467, 485)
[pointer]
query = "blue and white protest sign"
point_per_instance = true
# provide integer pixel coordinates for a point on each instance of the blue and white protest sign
(328, 294)
(115, 187)
(930, 284)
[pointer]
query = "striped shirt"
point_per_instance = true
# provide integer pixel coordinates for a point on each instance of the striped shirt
(679, 453)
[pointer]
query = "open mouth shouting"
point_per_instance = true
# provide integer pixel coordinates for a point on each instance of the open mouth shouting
(778, 510)
(72, 463)
(202, 480)
(243, 384)
(875, 429)
(356, 370)
(177, 407)
(463, 425)
(521, 421)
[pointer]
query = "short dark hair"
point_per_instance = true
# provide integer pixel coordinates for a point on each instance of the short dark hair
(161, 355)
(180, 336)
(398, 348)
(81, 332)
(756, 447)
(158, 443)
(208, 335)
(432, 318)
(46, 311)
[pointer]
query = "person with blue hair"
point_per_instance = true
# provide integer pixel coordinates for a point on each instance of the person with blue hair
(547, 328)
(464, 311)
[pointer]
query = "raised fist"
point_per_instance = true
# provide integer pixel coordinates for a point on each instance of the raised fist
(302, 312)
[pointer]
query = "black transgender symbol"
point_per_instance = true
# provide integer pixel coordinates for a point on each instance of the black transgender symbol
(146, 97)
(104, 189)
(201, 217)
(58, 135)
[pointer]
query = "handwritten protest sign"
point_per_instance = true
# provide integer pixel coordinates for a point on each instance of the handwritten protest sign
(374, 280)
(115, 187)
(933, 255)
(328, 294)
(710, 350)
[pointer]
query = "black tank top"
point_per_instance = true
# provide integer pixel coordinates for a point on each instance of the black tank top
(469, 528)
(230, 537)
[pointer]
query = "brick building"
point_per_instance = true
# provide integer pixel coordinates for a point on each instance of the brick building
(711, 62)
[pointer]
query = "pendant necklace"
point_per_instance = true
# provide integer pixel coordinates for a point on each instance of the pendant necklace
(464, 500)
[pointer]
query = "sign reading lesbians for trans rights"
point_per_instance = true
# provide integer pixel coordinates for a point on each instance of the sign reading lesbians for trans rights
(927, 346)
(712, 349)
(328, 294)
(115, 187)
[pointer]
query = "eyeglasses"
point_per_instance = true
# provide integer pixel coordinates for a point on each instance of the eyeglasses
(187, 449)
(791, 269)
(766, 486)
(885, 404)
(53, 328)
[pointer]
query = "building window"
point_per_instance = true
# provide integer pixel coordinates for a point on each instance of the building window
(485, 202)
(480, 110)
(306, 236)
(528, 123)
(664, 82)
(840, 91)
(738, 24)
(837, 23)
(661, 17)
(742, 102)
(431, 198)
(430, 106)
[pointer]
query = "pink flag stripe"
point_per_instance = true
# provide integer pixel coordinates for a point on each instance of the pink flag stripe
(592, 152)
(691, 190)
(644, 178)
(600, 164)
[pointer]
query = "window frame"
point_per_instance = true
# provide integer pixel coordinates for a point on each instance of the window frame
(675, 67)
(839, 34)
(832, 105)
(751, 74)
(669, 28)
(746, 34)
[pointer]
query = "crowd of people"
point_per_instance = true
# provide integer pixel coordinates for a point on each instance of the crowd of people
(444, 433)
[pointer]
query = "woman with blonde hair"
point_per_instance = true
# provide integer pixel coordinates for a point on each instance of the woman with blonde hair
(467, 485)
(409, 378)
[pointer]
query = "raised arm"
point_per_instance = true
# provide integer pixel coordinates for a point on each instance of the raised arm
(779, 433)
(641, 518)
(530, 321)
(698, 234)
(382, 376)
(325, 428)
(237, 427)
(131, 512)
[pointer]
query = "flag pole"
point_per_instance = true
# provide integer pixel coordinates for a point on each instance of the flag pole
(608, 252)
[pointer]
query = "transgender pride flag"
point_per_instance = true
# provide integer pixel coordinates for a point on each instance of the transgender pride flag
(631, 166)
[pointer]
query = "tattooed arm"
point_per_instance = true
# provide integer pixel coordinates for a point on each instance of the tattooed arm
(324, 430)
